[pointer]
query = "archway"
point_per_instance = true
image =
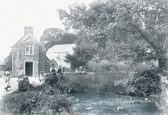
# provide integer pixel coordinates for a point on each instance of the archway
(29, 68)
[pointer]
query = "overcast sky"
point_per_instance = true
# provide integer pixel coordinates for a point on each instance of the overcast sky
(39, 14)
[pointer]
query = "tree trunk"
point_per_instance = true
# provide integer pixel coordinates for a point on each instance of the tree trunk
(162, 64)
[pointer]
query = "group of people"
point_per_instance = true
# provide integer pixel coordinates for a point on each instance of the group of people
(81, 70)
(7, 76)
(60, 71)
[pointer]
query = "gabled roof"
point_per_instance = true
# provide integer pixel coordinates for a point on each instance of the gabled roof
(26, 37)
(53, 61)
(2, 62)
(61, 48)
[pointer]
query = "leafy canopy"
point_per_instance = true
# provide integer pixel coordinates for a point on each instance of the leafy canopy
(53, 36)
(122, 29)
(80, 57)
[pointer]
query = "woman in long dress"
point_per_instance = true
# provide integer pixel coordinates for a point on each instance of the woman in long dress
(6, 77)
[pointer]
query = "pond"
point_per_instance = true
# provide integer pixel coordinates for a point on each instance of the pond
(126, 105)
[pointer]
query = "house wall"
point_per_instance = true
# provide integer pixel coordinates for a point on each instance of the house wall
(15, 58)
(2, 67)
(8, 62)
(44, 62)
(30, 58)
(19, 58)
(39, 59)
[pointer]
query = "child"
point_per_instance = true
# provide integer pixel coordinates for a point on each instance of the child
(76, 71)
(21, 73)
(41, 76)
(6, 77)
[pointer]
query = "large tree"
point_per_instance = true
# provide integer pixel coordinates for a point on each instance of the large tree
(119, 29)
(54, 36)
(80, 57)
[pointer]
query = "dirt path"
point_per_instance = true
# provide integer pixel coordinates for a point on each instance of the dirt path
(3, 92)
(14, 87)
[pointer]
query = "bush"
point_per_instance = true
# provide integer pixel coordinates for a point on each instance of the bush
(146, 83)
(101, 83)
(51, 79)
(38, 99)
(80, 57)
(23, 84)
(51, 97)
(36, 102)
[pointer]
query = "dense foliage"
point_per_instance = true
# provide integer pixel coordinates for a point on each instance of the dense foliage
(100, 83)
(122, 30)
(24, 84)
(80, 57)
(42, 99)
(54, 36)
(146, 83)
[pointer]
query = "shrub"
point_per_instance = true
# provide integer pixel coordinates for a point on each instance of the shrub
(96, 83)
(23, 84)
(51, 79)
(80, 57)
(146, 83)
(38, 99)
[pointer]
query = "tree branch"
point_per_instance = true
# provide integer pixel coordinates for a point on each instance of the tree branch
(127, 30)
(146, 39)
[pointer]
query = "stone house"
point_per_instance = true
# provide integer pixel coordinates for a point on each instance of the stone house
(2, 65)
(29, 54)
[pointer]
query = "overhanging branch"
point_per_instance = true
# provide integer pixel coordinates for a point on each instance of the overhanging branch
(146, 39)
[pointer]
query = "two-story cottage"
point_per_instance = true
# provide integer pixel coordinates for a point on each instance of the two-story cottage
(29, 54)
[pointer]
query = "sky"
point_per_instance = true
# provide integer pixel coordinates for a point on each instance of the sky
(39, 14)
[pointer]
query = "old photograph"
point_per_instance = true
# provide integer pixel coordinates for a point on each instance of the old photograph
(84, 57)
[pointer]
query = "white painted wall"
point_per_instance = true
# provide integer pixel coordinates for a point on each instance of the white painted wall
(58, 52)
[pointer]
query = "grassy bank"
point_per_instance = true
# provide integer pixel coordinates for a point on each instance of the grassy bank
(37, 100)
(52, 96)
(101, 83)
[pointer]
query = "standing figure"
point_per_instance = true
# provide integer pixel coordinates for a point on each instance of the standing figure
(6, 77)
(41, 76)
(53, 72)
(21, 73)
(59, 71)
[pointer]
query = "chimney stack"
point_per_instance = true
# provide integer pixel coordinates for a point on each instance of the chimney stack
(28, 30)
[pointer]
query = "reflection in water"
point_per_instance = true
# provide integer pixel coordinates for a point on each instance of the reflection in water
(92, 103)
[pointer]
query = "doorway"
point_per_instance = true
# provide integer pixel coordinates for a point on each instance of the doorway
(29, 68)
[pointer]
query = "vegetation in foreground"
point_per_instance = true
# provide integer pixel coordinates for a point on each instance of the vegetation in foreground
(44, 99)
(99, 83)
(52, 96)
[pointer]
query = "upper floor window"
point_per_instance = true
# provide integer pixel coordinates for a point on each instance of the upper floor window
(29, 49)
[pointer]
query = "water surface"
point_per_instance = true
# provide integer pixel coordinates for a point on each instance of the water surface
(126, 105)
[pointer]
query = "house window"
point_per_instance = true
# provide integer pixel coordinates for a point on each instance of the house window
(29, 49)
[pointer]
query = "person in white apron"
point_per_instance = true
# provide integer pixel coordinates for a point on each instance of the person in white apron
(6, 77)
(21, 73)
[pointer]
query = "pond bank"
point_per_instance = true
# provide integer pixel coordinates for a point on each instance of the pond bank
(14, 87)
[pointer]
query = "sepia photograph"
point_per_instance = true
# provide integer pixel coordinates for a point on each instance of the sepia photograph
(84, 57)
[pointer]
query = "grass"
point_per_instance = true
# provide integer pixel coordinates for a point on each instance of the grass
(101, 83)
